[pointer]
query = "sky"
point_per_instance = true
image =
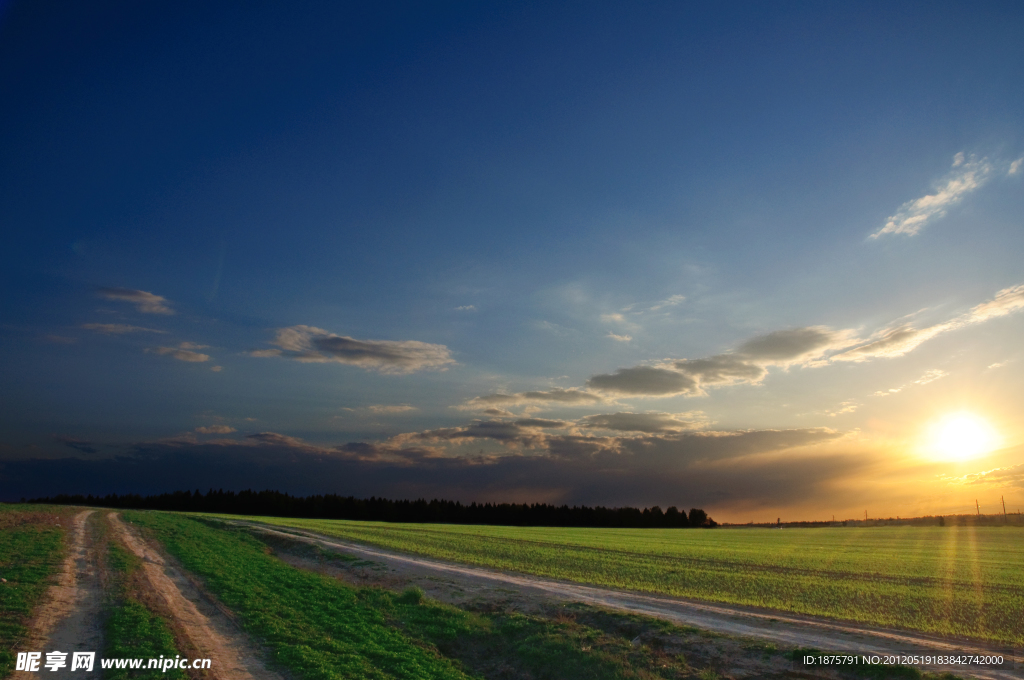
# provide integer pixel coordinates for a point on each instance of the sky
(763, 259)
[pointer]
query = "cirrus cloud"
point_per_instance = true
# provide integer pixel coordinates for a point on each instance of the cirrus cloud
(967, 175)
(144, 301)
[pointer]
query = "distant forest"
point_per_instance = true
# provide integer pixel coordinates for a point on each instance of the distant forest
(332, 506)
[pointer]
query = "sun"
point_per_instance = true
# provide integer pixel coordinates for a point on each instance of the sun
(961, 436)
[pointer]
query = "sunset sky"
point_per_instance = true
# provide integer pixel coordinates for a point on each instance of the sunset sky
(761, 258)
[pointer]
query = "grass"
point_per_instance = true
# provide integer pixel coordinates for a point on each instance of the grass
(31, 551)
(963, 580)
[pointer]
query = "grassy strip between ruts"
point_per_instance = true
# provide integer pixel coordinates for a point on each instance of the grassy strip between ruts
(131, 630)
(953, 581)
(31, 551)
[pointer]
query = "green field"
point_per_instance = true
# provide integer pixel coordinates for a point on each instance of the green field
(318, 628)
(31, 551)
(965, 581)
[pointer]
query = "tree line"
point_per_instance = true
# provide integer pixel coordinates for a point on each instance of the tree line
(333, 506)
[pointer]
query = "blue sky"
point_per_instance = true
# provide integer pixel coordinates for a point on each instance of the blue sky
(509, 252)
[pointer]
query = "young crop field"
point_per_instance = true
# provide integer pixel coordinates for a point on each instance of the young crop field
(966, 581)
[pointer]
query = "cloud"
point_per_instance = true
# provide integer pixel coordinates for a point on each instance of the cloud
(572, 397)
(264, 353)
(1010, 476)
(315, 345)
(60, 339)
(145, 302)
(845, 407)
(645, 422)
(899, 340)
(216, 369)
(928, 377)
(388, 409)
(748, 364)
(644, 381)
(181, 353)
(968, 174)
(498, 413)
(790, 346)
(620, 338)
(613, 317)
(77, 444)
(541, 423)
(670, 301)
(466, 308)
(722, 369)
(216, 429)
(1015, 167)
(1006, 301)
(891, 342)
(117, 328)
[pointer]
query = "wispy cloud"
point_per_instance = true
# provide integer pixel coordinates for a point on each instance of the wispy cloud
(620, 338)
(117, 328)
(670, 301)
(928, 377)
(215, 429)
(967, 175)
(181, 353)
(390, 409)
(145, 302)
(1015, 167)
(60, 339)
(898, 340)
(466, 308)
(845, 407)
(77, 444)
(574, 397)
(315, 345)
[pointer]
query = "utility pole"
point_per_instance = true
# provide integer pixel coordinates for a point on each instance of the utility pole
(865, 515)
(977, 506)
(1003, 500)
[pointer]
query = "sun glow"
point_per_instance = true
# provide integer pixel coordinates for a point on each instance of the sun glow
(961, 436)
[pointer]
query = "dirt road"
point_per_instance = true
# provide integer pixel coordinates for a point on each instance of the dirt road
(210, 631)
(69, 618)
(781, 628)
